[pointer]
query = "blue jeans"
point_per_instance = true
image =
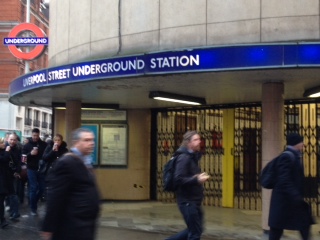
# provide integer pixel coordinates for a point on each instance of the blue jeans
(36, 188)
(193, 217)
(14, 205)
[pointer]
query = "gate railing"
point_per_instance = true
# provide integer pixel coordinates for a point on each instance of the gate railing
(299, 117)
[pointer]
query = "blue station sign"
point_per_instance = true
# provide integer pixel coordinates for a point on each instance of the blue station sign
(226, 58)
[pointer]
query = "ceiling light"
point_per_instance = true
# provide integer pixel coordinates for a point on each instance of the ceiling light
(172, 97)
(312, 92)
(89, 106)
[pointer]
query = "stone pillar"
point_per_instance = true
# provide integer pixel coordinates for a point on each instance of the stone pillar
(73, 118)
(272, 134)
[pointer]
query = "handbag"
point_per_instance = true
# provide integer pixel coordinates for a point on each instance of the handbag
(12, 164)
(24, 172)
(43, 167)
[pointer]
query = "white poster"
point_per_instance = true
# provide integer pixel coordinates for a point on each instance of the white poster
(114, 144)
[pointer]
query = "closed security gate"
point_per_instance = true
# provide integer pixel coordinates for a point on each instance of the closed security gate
(305, 119)
(247, 158)
(170, 125)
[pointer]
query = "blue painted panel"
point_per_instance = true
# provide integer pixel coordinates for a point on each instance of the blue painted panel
(226, 58)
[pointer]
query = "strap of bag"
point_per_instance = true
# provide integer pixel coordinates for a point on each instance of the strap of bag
(290, 154)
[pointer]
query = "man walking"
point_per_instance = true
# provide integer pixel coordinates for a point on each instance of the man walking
(189, 182)
(34, 150)
(73, 199)
(288, 210)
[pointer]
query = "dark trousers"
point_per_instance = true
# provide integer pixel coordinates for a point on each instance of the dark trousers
(13, 199)
(20, 189)
(275, 234)
(2, 198)
(193, 217)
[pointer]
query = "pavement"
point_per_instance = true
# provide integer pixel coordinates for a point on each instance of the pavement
(155, 220)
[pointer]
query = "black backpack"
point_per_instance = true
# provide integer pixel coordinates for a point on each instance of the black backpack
(168, 174)
(268, 175)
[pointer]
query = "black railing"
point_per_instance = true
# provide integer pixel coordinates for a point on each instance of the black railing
(28, 121)
(44, 124)
(36, 123)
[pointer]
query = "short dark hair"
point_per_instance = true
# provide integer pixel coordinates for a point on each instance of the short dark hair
(35, 130)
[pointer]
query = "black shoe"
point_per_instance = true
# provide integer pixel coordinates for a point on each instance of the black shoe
(4, 223)
(15, 217)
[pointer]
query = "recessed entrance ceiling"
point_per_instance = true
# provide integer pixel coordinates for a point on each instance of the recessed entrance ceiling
(215, 87)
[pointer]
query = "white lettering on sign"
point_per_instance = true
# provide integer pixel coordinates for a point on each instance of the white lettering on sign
(108, 67)
(59, 74)
(32, 41)
(174, 61)
(126, 66)
(34, 79)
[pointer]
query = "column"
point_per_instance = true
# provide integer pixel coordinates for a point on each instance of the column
(73, 118)
(272, 134)
(228, 159)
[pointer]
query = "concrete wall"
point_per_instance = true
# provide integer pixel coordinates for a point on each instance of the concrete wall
(132, 182)
(82, 30)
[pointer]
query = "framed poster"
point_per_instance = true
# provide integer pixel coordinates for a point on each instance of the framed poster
(95, 129)
(113, 150)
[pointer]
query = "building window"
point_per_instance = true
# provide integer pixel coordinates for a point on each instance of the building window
(36, 122)
(49, 121)
(44, 123)
(28, 119)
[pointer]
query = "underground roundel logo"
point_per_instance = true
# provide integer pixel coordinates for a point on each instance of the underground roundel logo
(39, 42)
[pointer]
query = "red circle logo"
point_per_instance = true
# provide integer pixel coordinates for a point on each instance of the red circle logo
(36, 51)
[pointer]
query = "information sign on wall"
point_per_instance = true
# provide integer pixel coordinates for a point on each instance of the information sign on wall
(113, 149)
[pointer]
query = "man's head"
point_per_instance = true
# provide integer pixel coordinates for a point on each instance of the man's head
(12, 139)
(83, 140)
(191, 140)
(295, 140)
(35, 135)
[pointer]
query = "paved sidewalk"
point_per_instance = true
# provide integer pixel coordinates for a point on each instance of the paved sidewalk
(141, 219)
(220, 223)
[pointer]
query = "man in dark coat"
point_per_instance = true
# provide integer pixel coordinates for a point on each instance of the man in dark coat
(5, 177)
(288, 210)
(12, 154)
(189, 182)
(34, 149)
(73, 199)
